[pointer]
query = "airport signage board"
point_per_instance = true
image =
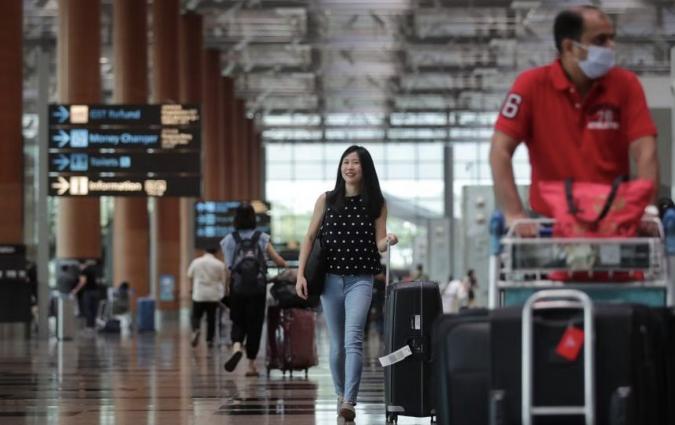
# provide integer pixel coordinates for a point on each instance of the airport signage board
(125, 163)
(83, 185)
(124, 150)
(124, 115)
(213, 220)
(125, 139)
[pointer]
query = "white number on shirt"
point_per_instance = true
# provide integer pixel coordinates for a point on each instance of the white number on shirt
(511, 105)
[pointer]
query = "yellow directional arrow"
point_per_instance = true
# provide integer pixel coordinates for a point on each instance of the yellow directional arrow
(61, 186)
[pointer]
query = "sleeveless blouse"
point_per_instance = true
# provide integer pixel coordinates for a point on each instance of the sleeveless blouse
(348, 237)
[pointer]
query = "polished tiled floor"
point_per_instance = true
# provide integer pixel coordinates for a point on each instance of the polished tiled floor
(160, 379)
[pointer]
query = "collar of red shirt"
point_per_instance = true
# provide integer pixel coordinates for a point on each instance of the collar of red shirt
(561, 82)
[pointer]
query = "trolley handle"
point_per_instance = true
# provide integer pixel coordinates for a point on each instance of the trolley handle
(388, 265)
(548, 299)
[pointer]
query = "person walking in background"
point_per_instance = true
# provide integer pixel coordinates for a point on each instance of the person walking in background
(207, 284)
(470, 286)
(354, 230)
(454, 296)
(244, 251)
(88, 287)
(419, 274)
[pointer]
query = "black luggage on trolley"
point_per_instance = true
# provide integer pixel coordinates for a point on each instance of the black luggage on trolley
(621, 380)
(410, 310)
(461, 364)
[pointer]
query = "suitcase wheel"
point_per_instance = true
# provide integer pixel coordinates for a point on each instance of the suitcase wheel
(392, 418)
(433, 420)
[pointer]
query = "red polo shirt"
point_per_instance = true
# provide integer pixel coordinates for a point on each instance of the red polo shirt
(566, 136)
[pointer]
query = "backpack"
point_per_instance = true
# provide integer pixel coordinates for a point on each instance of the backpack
(248, 267)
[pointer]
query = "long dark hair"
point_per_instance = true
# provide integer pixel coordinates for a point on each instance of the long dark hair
(371, 194)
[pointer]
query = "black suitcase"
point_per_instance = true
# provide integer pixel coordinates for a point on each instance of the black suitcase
(410, 311)
(628, 372)
(461, 362)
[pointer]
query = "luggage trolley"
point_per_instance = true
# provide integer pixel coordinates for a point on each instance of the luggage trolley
(632, 270)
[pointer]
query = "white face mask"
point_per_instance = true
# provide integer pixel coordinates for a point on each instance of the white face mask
(598, 62)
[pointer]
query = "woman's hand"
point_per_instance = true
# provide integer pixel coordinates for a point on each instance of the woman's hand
(392, 239)
(301, 286)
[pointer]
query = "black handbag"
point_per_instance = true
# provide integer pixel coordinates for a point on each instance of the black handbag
(315, 269)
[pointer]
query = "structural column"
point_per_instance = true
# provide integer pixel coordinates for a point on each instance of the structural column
(79, 81)
(131, 225)
(228, 136)
(165, 89)
(259, 153)
(238, 142)
(252, 158)
(257, 159)
(190, 73)
(11, 106)
(243, 159)
(211, 125)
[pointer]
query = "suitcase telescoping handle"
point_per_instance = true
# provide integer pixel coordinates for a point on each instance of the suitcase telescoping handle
(388, 265)
(562, 298)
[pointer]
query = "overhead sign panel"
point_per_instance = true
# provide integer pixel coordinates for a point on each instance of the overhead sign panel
(82, 185)
(124, 163)
(127, 139)
(124, 150)
(123, 115)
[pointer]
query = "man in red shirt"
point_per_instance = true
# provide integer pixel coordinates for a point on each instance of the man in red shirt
(580, 116)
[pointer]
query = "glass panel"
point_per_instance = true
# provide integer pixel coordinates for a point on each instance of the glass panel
(306, 170)
(430, 151)
(400, 152)
(292, 134)
(276, 152)
(464, 151)
(308, 152)
(276, 170)
(376, 151)
(334, 152)
(401, 170)
(465, 170)
(402, 118)
(291, 119)
(430, 170)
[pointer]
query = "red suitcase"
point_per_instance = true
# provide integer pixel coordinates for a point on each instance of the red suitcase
(291, 343)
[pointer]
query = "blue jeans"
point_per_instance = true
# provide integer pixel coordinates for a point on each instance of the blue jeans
(346, 302)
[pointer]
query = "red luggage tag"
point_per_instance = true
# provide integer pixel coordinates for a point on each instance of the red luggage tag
(571, 343)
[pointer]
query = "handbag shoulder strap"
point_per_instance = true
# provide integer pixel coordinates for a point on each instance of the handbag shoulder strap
(323, 217)
(573, 209)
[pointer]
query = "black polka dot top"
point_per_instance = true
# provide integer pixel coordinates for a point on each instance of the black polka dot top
(348, 236)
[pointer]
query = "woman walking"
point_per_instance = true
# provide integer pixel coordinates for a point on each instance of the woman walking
(353, 231)
(245, 250)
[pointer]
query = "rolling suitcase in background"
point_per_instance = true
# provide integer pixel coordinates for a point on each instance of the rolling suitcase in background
(410, 311)
(291, 343)
(619, 381)
(145, 315)
(461, 365)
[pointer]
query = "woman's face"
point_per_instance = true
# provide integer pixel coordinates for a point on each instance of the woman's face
(351, 169)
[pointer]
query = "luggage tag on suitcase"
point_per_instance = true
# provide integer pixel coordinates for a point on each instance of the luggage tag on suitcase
(570, 345)
(395, 357)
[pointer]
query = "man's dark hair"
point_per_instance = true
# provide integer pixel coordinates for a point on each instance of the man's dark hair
(212, 250)
(244, 218)
(420, 267)
(569, 24)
